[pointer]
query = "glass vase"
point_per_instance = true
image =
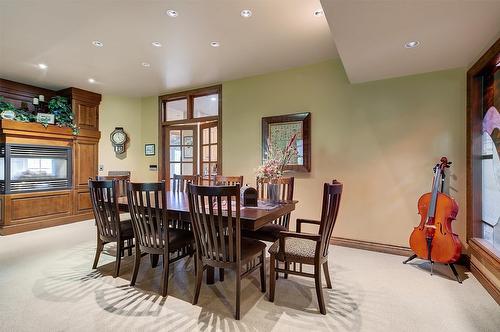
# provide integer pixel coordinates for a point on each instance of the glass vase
(273, 192)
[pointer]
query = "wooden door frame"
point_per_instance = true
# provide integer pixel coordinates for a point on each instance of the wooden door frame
(189, 94)
(166, 155)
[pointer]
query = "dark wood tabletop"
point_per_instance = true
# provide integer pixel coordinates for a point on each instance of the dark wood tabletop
(251, 218)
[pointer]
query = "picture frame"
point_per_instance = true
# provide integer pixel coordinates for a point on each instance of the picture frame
(187, 152)
(149, 149)
(45, 118)
(279, 130)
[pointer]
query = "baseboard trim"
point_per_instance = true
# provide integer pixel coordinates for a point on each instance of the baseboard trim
(487, 284)
(385, 248)
(371, 246)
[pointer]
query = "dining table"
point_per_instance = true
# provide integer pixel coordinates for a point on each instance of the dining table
(251, 218)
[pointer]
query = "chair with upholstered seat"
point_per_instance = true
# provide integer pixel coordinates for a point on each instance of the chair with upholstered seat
(306, 248)
(110, 229)
(148, 209)
(215, 217)
(270, 232)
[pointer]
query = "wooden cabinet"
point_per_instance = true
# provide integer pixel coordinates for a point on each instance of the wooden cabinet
(32, 210)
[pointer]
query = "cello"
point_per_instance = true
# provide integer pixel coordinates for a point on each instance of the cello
(433, 239)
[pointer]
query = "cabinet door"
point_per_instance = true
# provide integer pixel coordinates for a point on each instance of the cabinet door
(86, 162)
(87, 114)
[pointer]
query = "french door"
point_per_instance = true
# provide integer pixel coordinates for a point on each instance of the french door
(209, 149)
(181, 151)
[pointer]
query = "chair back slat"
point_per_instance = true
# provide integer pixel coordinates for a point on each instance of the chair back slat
(286, 187)
(331, 203)
(216, 226)
(104, 197)
(148, 211)
(221, 180)
(180, 182)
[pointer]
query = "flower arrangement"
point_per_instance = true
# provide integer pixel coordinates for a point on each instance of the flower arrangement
(274, 164)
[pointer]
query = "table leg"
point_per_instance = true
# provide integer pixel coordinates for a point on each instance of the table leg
(154, 260)
(210, 275)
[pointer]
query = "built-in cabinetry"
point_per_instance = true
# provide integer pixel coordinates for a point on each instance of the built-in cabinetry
(36, 204)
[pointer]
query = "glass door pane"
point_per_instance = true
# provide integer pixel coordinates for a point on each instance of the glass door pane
(209, 148)
(182, 155)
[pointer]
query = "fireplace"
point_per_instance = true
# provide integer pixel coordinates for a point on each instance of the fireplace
(32, 168)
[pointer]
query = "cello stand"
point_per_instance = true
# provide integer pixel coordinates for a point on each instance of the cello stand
(451, 265)
(412, 257)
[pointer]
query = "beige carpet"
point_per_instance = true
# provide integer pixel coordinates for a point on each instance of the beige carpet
(47, 284)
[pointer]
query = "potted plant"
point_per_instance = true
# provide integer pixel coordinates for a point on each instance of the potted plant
(63, 114)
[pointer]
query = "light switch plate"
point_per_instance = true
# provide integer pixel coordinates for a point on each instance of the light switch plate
(101, 168)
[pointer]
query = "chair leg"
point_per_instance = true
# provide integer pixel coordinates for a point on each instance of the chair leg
(327, 275)
(277, 265)
(154, 260)
(199, 279)
(319, 290)
(238, 293)
(263, 272)
(272, 277)
(287, 267)
(137, 263)
(119, 250)
(221, 274)
(98, 250)
(164, 284)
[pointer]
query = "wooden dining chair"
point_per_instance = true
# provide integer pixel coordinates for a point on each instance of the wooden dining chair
(180, 182)
(270, 232)
(221, 180)
(215, 216)
(306, 248)
(122, 182)
(110, 229)
(148, 209)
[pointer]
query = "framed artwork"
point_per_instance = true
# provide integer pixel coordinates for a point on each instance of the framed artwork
(149, 150)
(187, 152)
(280, 129)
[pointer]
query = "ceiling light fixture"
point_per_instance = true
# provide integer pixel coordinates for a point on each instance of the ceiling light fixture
(412, 44)
(172, 13)
(91, 80)
(145, 64)
(318, 12)
(215, 44)
(213, 99)
(246, 13)
(42, 66)
(97, 43)
(156, 44)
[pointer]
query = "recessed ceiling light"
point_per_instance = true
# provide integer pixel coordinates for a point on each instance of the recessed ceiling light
(97, 43)
(91, 80)
(215, 44)
(318, 12)
(412, 44)
(213, 99)
(172, 13)
(42, 66)
(246, 13)
(145, 64)
(156, 44)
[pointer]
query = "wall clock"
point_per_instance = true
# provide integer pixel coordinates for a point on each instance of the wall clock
(118, 139)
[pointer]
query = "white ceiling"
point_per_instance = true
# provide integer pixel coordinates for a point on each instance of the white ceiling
(370, 34)
(280, 34)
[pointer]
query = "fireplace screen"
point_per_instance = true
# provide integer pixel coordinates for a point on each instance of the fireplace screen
(34, 168)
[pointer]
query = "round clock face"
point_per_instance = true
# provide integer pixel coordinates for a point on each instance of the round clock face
(119, 137)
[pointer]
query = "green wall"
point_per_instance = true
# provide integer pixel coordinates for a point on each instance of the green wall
(381, 139)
